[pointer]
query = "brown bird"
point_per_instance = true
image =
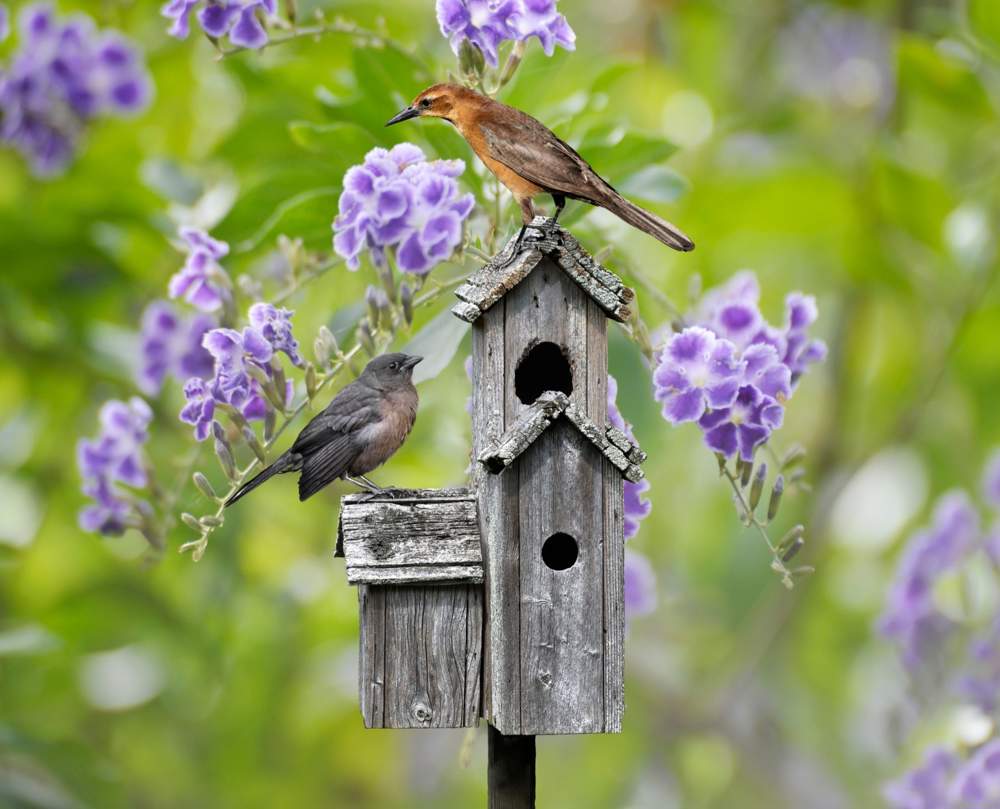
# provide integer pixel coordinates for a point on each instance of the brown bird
(358, 431)
(530, 159)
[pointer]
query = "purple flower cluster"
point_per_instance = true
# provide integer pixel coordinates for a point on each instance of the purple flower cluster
(114, 457)
(927, 786)
(240, 20)
(398, 199)
(64, 74)
(733, 372)
(487, 23)
(236, 356)
(977, 783)
(910, 617)
(170, 345)
(201, 281)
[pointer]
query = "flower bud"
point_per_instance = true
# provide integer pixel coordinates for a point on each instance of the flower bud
(470, 59)
(327, 337)
(745, 469)
(206, 488)
(211, 521)
(387, 279)
(312, 383)
(226, 461)
(516, 55)
(191, 521)
(269, 424)
(321, 352)
(406, 299)
(757, 488)
(251, 438)
(775, 502)
(791, 543)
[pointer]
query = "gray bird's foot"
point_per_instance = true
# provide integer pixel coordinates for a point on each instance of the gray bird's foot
(373, 490)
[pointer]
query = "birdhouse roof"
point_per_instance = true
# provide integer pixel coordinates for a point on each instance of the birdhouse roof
(411, 536)
(543, 238)
(617, 447)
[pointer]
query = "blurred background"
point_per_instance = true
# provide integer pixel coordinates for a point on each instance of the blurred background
(851, 151)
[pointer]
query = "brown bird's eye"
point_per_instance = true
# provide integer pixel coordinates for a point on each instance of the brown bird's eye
(425, 103)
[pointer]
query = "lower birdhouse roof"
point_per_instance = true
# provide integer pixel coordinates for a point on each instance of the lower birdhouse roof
(617, 447)
(543, 238)
(411, 536)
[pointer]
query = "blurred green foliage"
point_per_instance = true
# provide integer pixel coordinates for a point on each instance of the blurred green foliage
(884, 203)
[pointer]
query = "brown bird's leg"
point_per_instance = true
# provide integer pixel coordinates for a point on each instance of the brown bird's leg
(560, 201)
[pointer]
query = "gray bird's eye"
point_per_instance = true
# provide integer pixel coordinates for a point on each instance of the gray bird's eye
(394, 365)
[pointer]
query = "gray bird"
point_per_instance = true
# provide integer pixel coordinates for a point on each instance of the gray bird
(358, 431)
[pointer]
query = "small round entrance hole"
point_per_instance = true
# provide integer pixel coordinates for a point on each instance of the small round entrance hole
(543, 367)
(559, 551)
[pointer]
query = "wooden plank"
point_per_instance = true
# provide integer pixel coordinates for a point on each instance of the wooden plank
(562, 629)
(596, 406)
(426, 656)
(614, 598)
(473, 655)
(371, 659)
(511, 771)
(430, 575)
(523, 432)
(497, 503)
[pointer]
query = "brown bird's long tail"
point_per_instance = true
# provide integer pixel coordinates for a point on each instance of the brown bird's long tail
(647, 222)
(286, 463)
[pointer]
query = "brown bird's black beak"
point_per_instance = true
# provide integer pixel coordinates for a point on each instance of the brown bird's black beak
(403, 115)
(412, 360)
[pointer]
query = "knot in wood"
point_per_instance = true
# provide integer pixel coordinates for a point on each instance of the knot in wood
(422, 712)
(545, 678)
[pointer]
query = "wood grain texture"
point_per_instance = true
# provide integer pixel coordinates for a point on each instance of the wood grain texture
(411, 536)
(419, 645)
(614, 597)
(523, 432)
(562, 628)
(497, 504)
(511, 771)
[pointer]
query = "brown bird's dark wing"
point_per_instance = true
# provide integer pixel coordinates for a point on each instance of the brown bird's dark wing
(326, 464)
(531, 149)
(351, 409)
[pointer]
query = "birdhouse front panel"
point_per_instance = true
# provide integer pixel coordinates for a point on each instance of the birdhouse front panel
(416, 558)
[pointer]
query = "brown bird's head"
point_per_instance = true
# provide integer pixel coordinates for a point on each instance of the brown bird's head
(391, 371)
(437, 101)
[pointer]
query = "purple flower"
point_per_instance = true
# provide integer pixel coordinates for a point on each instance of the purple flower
(976, 785)
(800, 351)
(743, 426)
(640, 585)
(239, 19)
(979, 679)
(487, 23)
(171, 346)
(910, 617)
(696, 371)
(200, 408)
(64, 74)
(637, 508)
(201, 281)
(991, 480)
(275, 325)
(397, 199)
(927, 786)
(115, 456)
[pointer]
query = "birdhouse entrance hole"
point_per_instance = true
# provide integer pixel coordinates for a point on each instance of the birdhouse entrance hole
(559, 551)
(543, 367)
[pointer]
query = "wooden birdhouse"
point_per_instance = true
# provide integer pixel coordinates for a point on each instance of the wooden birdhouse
(549, 484)
(416, 560)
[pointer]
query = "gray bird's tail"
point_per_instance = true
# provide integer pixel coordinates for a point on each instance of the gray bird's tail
(285, 463)
(647, 222)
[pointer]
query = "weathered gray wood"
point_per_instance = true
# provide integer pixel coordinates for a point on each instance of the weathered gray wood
(562, 629)
(614, 598)
(371, 662)
(503, 273)
(511, 771)
(497, 505)
(522, 434)
(418, 646)
(411, 536)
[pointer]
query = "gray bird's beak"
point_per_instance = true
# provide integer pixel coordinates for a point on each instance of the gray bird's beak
(403, 115)
(412, 360)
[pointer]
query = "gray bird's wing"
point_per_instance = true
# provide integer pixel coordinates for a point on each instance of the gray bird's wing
(354, 407)
(531, 149)
(326, 464)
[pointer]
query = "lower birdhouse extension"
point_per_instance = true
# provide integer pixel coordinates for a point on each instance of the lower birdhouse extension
(416, 559)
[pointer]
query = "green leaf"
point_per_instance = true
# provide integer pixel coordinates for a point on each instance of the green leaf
(334, 139)
(984, 20)
(437, 343)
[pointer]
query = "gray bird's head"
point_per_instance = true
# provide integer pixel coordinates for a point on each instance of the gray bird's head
(391, 370)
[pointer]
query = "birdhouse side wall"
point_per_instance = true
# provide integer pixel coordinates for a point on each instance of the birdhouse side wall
(421, 650)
